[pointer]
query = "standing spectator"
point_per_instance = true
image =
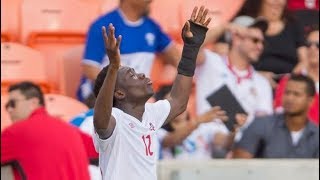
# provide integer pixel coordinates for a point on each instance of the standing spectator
(41, 146)
(288, 135)
(284, 38)
(312, 71)
(252, 90)
(143, 38)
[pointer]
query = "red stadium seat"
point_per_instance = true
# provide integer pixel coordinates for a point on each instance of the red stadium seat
(64, 107)
(220, 11)
(21, 63)
(161, 74)
(108, 5)
(10, 20)
(71, 63)
(167, 14)
(54, 27)
(61, 17)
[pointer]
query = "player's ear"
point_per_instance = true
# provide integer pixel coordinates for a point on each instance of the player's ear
(119, 94)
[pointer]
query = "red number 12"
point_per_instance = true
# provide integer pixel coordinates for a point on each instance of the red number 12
(148, 150)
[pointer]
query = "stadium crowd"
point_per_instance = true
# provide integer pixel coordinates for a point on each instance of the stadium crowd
(255, 91)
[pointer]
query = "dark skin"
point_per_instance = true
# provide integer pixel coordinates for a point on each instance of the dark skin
(296, 103)
(132, 90)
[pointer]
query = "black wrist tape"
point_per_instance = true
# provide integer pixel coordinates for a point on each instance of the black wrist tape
(187, 63)
(191, 48)
(199, 34)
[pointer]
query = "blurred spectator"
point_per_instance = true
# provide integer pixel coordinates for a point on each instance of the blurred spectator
(84, 122)
(142, 39)
(284, 38)
(312, 71)
(303, 4)
(191, 138)
(288, 135)
(307, 11)
(252, 90)
(37, 144)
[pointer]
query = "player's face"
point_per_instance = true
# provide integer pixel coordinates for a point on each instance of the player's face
(18, 106)
(295, 100)
(135, 85)
(252, 44)
(313, 48)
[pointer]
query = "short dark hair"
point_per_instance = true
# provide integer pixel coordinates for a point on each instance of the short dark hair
(310, 85)
(29, 90)
(99, 82)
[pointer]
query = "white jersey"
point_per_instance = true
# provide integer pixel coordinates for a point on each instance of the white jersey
(130, 152)
(253, 93)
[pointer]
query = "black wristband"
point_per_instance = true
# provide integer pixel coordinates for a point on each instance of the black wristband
(187, 64)
(199, 34)
(191, 48)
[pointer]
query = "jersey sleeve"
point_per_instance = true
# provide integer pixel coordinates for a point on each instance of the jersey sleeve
(101, 145)
(159, 111)
(94, 47)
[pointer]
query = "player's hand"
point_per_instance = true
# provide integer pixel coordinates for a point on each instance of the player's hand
(194, 30)
(112, 45)
(214, 113)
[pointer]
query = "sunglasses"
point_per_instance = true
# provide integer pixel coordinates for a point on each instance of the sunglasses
(309, 44)
(12, 103)
(256, 40)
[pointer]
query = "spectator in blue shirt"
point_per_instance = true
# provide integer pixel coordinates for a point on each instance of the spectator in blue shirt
(142, 39)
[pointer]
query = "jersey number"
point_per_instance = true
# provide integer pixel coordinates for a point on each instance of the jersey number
(147, 144)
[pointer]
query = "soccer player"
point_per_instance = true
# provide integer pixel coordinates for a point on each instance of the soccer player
(125, 125)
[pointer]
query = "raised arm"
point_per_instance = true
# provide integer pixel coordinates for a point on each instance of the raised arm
(104, 122)
(193, 35)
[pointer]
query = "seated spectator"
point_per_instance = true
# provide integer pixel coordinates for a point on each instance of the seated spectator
(287, 135)
(194, 138)
(312, 70)
(252, 91)
(307, 11)
(41, 146)
(284, 47)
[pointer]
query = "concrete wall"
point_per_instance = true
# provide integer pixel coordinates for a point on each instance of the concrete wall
(271, 169)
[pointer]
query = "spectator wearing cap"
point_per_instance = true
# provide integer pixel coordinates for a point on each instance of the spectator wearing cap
(312, 70)
(287, 135)
(284, 47)
(37, 145)
(251, 90)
